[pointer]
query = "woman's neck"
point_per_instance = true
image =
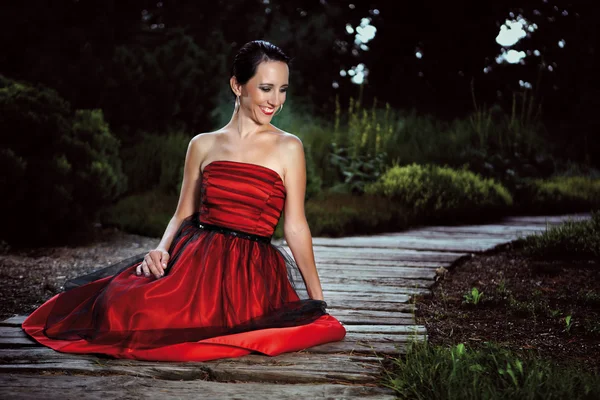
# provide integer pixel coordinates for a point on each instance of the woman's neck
(244, 125)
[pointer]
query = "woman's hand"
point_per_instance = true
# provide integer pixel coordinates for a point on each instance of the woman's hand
(155, 263)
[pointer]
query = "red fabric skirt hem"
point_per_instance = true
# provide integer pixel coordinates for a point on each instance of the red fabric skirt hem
(270, 341)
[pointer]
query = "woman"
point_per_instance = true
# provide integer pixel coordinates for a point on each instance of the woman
(215, 286)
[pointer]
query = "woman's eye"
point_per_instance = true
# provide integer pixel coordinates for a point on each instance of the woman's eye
(265, 89)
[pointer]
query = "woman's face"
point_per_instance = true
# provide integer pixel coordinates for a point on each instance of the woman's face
(265, 92)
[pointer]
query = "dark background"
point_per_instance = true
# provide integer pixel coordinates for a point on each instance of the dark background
(96, 55)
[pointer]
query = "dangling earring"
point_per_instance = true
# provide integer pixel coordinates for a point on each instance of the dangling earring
(238, 103)
(280, 109)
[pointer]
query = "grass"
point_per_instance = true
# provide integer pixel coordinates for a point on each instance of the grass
(559, 194)
(573, 239)
(490, 372)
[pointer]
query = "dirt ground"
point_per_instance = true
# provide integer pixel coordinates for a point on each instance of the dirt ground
(31, 276)
(524, 306)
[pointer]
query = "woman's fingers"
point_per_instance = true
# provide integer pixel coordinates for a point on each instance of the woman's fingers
(153, 266)
(156, 259)
(144, 267)
(165, 259)
(155, 263)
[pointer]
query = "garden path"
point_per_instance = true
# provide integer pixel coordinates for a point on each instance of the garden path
(367, 281)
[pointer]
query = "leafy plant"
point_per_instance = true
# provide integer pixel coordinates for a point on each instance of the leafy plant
(60, 173)
(473, 297)
(357, 170)
(428, 372)
(568, 323)
(441, 193)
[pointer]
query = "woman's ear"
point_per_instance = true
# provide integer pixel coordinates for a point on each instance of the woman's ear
(235, 86)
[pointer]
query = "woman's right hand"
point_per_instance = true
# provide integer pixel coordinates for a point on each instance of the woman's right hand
(155, 263)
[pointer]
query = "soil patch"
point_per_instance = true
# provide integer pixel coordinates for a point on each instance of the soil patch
(525, 306)
(31, 276)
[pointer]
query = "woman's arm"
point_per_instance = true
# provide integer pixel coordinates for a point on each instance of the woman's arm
(296, 231)
(189, 197)
(156, 260)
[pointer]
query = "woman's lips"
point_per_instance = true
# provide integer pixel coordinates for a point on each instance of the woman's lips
(267, 110)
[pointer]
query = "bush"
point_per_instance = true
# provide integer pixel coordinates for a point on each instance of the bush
(559, 194)
(490, 372)
(340, 214)
(442, 194)
(156, 163)
(572, 239)
(61, 166)
(144, 214)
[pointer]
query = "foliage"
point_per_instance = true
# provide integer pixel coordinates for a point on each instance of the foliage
(573, 239)
(145, 214)
(357, 170)
(559, 194)
(490, 372)
(165, 86)
(61, 166)
(473, 297)
(441, 193)
(341, 214)
(156, 162)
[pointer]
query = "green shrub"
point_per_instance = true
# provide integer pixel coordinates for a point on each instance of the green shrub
(341, 214)
(144, 214)
(59, 167)
(491, 372)
(573, 239)
(439, 193)
(156, 163)
(559, 194)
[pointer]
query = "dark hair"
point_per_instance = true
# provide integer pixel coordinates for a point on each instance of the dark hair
(251, 54)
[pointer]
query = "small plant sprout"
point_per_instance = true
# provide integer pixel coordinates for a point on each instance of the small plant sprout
(568, 323)
(474, 297)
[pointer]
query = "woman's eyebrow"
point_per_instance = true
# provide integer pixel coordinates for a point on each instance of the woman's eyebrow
(270, 84)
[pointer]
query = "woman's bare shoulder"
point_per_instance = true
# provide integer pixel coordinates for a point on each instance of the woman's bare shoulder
(202, 143)
(206, 138)
(289, 142)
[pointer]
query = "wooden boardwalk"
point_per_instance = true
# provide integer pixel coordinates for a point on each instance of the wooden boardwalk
(367, 281)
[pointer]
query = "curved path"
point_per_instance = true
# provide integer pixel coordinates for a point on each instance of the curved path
(367, 281)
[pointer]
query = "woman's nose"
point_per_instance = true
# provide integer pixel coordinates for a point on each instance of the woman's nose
(274, 100)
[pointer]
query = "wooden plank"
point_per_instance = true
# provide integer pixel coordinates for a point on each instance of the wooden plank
(381, 282)
(289, 367)
(369, 306)
(389, 272)
(388, 347)
(390, 330)
(22, 386)
(455, 244)
(325, 254)
(455, 233)
(353, 297)
(350, 263)
(543, 219)
(366, 305)
(342, 312)
(370, 317)
(372, 289)
(377, 280)
(16, 320)
(508, 232)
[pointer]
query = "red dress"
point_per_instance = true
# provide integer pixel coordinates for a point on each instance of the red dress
(227, 290)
